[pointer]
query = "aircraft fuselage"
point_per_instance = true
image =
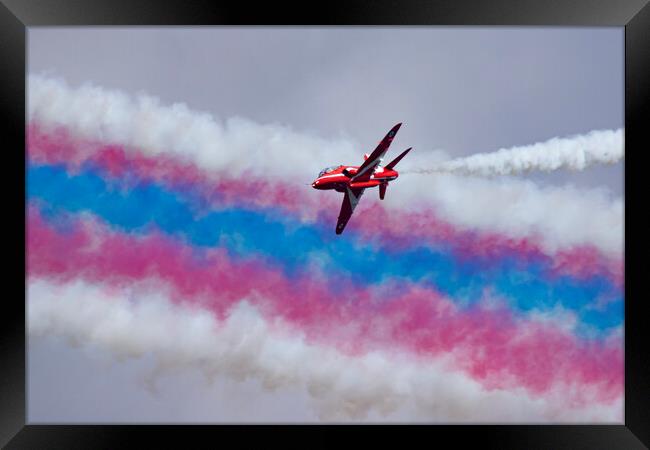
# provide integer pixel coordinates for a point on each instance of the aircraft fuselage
(341, 177)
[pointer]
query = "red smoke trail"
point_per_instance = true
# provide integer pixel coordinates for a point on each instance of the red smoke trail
(493, 346)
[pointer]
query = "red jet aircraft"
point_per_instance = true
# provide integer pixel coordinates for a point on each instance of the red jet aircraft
(353, 180)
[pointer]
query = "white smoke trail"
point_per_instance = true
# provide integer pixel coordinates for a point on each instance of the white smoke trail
(141, 123)
(560, 216)
(572, 153)
(130, 323)
(518, 208)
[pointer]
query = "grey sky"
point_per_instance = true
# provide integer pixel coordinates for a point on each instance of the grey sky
(464, 90)
(461, 89)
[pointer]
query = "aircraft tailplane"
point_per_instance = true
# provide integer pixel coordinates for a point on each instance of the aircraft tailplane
(394, 162)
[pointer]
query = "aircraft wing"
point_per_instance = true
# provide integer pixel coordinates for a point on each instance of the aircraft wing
(370, 164)
(350, 200)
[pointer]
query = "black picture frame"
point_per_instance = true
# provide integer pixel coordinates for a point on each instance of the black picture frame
(16, 15)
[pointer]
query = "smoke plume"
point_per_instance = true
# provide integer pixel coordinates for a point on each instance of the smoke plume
(132, 322)
(236, 146)
(572, 153)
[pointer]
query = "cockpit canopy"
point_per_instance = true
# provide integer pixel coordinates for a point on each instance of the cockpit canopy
(327, 170)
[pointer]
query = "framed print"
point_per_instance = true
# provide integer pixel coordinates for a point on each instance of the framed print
(349, 214)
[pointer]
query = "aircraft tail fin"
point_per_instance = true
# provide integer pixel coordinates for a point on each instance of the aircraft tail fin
(394, 162)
